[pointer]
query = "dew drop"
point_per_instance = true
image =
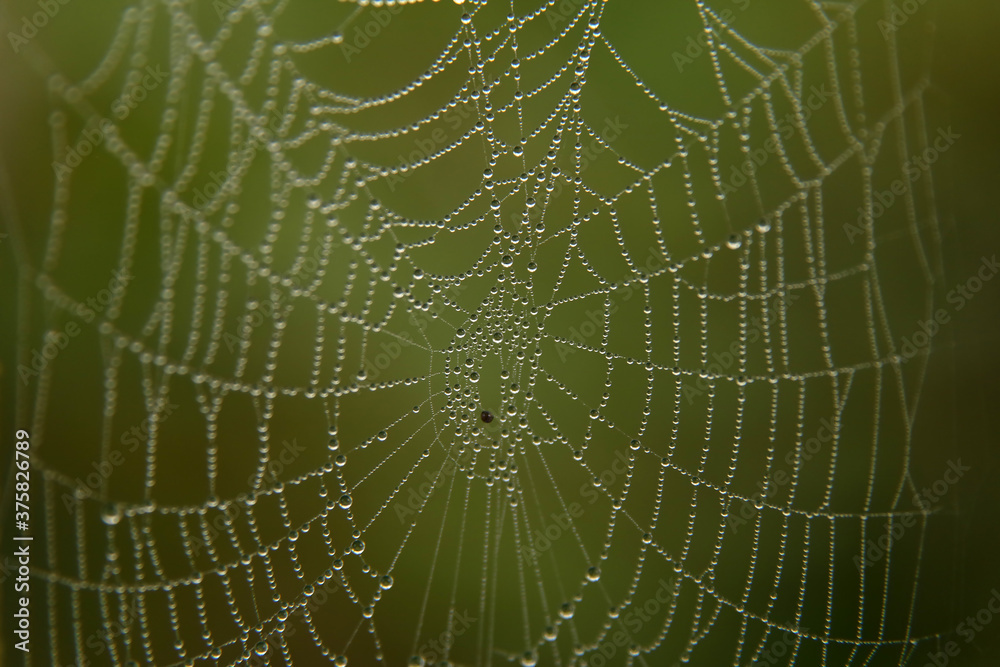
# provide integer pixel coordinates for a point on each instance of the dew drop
(260, 648)
(111, 514)
(385, 583)
(593, 573)
(382, 435)
(734, 241)
(357, 547)
(345, 501)
(507, 260)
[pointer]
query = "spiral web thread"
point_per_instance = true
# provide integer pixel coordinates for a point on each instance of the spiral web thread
(343, 271)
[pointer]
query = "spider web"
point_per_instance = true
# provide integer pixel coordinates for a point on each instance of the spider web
(339, 254)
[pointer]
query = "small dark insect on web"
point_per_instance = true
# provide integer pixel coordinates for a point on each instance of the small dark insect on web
(487, 416)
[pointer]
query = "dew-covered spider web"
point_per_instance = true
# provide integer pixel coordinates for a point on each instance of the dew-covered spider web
(556, 333)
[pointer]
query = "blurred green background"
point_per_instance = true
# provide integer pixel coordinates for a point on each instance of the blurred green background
(455, 561)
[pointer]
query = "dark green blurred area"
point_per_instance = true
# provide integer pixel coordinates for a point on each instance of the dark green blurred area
(952, 397)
